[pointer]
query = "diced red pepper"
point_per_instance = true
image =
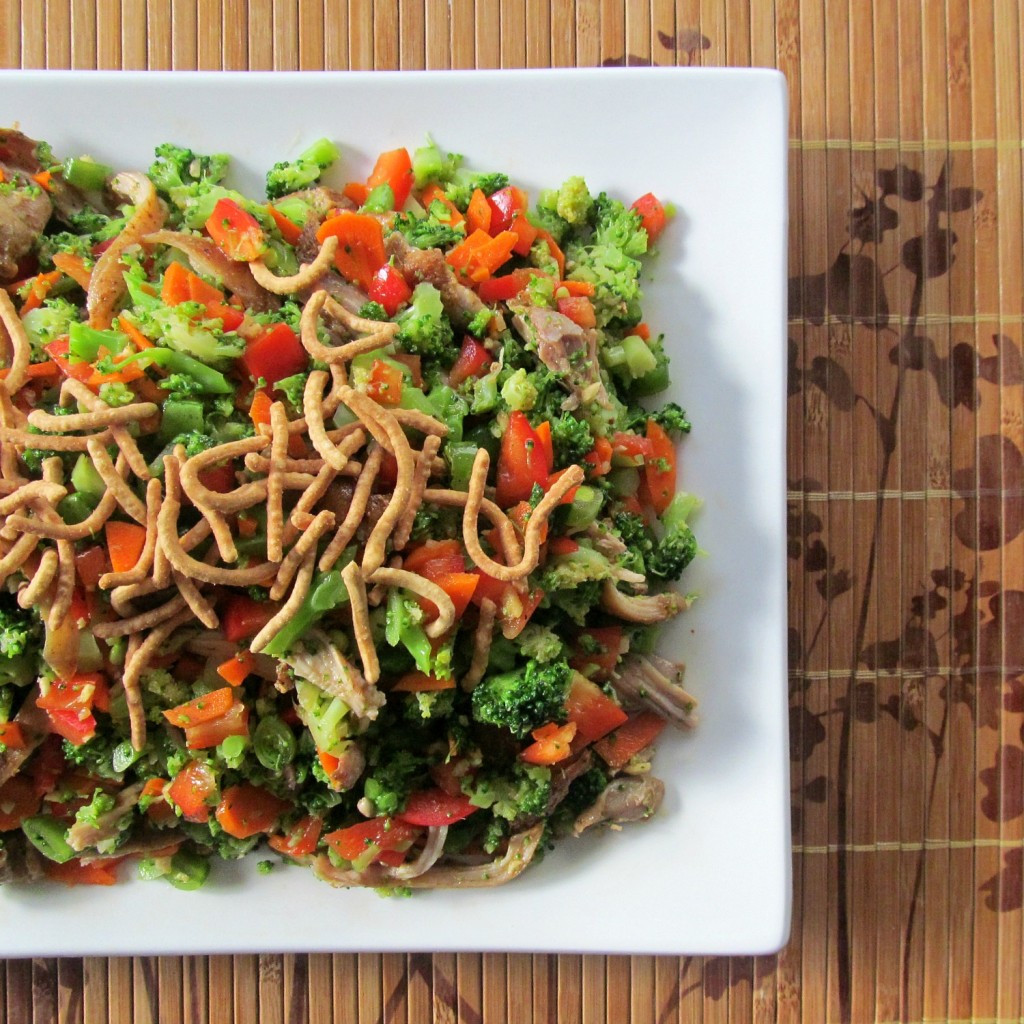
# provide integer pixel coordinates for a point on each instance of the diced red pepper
(76, 727)
(242, 617)
(629, 739)
(236, 231)
(594, 713)
(559, 546)
(579, 309)
(435, 807)
(385, 383)
(522, 462)
(434, 557)
(472, 361)
(235, 722)
(508, 286)
(275, 354)
(420, 682)
(90, 565)
(11, 736)
(74, 872)
(599, 664)
(600, 457)
(505, 204)
(390, 289)
(219, 479)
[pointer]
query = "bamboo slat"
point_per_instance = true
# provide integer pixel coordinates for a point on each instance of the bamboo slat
(905, 486)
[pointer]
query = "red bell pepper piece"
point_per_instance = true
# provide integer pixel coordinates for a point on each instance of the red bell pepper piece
(522, 462)
(301, 839)
(390, 289)
(505, 204)
(579, 309)
(600, 664)
(275, 354)
(363, 842)
(434, 557)
(385, 384)
(243, 617)
(472, 361)
(508, 286)
(660, 468)
(629, 739)
(593, 712)
(435, 807)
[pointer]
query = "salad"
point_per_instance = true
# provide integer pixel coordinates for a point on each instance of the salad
(337, 524)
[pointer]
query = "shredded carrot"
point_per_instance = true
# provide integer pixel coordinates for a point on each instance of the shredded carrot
(74, 266)
(40, 288)
(290, 231)
(420, 682)
(235, 669)
(39, 371)
(135, 336)
(125, 542)
(44, 180)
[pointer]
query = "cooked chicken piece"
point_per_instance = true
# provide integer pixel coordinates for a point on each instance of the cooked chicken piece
(645, 608)
(654, 683)
(623, 800)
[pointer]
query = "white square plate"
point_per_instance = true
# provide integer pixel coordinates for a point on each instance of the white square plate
(711, 872)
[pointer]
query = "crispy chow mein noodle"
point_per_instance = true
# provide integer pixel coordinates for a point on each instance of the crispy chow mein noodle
(288, 513)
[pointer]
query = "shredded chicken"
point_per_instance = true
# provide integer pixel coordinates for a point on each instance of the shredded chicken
(645, 608)
(623, 800)
(653, 682)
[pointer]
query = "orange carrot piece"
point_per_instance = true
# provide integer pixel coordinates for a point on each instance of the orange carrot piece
(478, 213)
(73, 265)
(290, 231)
(235, 669)
(259, 411)
(125, 542)
(420, 682)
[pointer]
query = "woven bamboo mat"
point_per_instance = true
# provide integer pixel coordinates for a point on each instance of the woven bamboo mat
(906, 498)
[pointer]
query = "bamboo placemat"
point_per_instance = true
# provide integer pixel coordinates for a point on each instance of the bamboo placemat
(906, 499)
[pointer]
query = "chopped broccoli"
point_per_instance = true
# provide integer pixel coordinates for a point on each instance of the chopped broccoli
(179, 332)
(160, 691)
(430, 704)
(91, 812)
(478, 325)
(568, 571)
(677, 548)
(579, 601)
(19, 629)
(430, 163)
(47, 322)
(524, 699)
(195, 443)
(292, 175)
(637, 536)
(618, 226)
(95, 757)
(574, 202)
(434, 522)
(572, 440)
(429, 231)
(176, 167)
(373, 311)
(116, 394)
(388, 785)
(423, 327)
(670, 416)
(524, 792)
(181, 385)
(540, 643)
(292, 388)
(519, 392)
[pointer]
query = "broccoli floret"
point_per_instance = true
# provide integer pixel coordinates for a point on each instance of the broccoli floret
(195, 443)
(373, 311)
(176, 168)
(390, 783)
(677, 548)
(63, 241)
(617, 225)
(430, 231)
(429, 163)
(116, 394)
(49, 321)
(160, 691)
(293, 175)
(525, 791)
(637, 536)
(524, 699)
(90, 813)
(95, 757)
(478, 325)
(579, 601)
(574, 202)
(178, 331)
(460, 191)
(519, 392)
(434, 522)
(19, 629)
(572, 440)
(181, 385)
(431, 704)
(540, 643)
(292, 388)
(670, 417)
(567, 572)
(423, 327)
